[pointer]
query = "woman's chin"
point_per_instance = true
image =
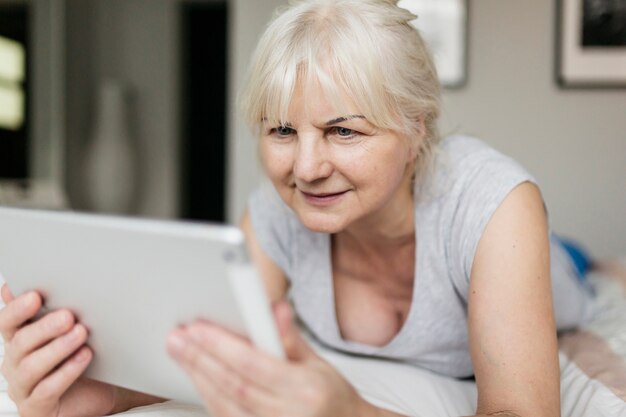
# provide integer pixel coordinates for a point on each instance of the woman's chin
(323, 222)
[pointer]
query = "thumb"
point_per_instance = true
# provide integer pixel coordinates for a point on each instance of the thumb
(295, 346)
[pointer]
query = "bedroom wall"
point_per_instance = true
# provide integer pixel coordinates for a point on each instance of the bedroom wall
(135, 42)
(248, 20)
(573, 141)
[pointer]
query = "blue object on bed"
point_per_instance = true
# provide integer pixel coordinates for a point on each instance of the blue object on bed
(580, 257)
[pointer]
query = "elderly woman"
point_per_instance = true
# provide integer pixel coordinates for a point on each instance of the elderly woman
(388, 242)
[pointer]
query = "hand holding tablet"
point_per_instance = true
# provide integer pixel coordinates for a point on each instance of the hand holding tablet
(131, 282)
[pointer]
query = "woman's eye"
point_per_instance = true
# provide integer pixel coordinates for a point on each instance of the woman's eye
(344, 131)
(283, 130)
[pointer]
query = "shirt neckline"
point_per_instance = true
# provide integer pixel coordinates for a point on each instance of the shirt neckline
(332, 313)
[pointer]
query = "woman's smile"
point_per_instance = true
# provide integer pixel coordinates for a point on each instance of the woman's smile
(323, 199)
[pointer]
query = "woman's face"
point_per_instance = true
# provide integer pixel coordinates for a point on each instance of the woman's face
(334, 170)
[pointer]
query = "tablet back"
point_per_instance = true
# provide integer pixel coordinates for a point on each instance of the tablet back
(131, 282)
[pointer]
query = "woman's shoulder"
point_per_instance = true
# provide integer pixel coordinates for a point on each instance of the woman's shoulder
(470, 181)
(461, 160)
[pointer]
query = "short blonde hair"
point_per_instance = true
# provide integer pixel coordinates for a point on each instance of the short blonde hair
(366, 49)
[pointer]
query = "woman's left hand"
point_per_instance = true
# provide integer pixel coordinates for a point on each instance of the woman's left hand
(235, 379)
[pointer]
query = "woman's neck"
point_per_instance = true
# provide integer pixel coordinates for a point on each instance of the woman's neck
(391, 226)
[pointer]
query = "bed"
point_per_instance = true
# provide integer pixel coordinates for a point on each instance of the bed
(592, 362)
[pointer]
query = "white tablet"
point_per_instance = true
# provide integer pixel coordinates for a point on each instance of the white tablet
(131, 282)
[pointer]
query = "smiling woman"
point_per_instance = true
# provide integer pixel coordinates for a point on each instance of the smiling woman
(333, 170)
(388, 241)
(391, 242)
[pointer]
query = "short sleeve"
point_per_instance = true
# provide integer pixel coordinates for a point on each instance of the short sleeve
(271, 221)
(483, 180)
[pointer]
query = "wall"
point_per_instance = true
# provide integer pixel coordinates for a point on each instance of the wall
(248, 20)
(573, 141)
(134, 42)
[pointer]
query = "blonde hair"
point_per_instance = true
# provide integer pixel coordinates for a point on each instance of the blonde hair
(366, 49)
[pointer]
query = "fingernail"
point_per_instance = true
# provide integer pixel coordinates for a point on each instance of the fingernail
(202, 333)
(81, 356)
(28, 299)
(176, 343)
(196, 334)
(74, 334)
(61, 319)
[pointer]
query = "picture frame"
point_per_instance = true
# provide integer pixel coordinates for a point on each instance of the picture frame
(443, 25)
(591, 44)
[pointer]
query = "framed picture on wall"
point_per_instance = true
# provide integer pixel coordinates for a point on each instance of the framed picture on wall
(443, 25)
(591, 43)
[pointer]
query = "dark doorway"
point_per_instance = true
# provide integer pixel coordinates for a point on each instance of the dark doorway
(204, 110)
(14, 88)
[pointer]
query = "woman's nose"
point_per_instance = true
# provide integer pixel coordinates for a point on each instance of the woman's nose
(312, 160)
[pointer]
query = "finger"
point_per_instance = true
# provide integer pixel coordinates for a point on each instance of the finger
(216, 403)
(216, 380)
(7, 296)
(229, 409)
(35, 335)
(18, 312)
(237, 354)
(295, 346)
(52, 387)
(34, 367)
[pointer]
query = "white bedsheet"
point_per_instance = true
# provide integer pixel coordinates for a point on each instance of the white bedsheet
(415, 392)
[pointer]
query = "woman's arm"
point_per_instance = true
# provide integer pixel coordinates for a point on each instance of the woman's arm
(511, 324)
(511, 321)
(126, 399)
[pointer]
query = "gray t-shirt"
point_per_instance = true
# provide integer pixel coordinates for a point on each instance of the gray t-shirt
(469, 181)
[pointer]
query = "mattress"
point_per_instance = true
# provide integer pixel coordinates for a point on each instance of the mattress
(592, 362)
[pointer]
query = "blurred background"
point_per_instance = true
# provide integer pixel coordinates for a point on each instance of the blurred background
(129, 106)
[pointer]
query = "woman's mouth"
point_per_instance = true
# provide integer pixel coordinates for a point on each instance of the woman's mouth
(322, 199)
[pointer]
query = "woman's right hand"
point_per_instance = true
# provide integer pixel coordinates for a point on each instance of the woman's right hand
(44, 360)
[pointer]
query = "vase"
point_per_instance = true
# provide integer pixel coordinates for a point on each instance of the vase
(110, 156)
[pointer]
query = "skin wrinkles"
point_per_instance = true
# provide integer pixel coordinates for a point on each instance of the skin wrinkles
(371, 169)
